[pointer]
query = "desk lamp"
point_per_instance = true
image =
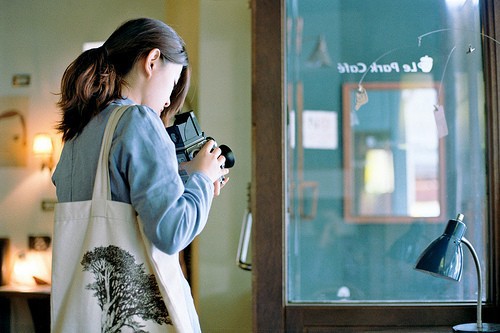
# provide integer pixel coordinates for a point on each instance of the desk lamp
(444, 257)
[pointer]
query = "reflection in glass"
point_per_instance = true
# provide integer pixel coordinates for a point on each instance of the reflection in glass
(379, 172)
(394, 153)
(409, 99)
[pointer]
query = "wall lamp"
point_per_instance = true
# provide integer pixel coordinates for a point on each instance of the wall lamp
(444, 258)
(44, 148)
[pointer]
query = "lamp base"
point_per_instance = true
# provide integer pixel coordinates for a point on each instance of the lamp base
(472, 327)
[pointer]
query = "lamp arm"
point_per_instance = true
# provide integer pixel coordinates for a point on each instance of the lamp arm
(479, 281)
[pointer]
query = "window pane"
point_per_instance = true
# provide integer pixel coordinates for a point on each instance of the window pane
(386, 143)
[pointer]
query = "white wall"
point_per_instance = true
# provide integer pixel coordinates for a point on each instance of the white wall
(41, 38)
(225, 113)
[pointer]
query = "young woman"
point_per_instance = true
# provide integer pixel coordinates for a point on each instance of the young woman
(144, 65)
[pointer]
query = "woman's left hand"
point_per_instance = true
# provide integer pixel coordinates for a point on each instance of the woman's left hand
(218, 185)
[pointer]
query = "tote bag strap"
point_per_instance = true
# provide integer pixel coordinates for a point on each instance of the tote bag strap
(102, 190)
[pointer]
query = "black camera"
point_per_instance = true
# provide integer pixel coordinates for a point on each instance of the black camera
(188, 138)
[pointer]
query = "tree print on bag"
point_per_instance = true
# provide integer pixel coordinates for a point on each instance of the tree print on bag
(125, 292)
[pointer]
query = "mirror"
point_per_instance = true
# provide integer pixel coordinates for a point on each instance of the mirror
(393, 156)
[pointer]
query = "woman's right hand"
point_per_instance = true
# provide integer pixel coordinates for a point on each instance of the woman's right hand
(209, 161)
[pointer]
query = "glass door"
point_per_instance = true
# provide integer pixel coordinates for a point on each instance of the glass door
(386, 143)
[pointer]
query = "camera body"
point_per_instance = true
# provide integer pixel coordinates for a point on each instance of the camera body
(188, 138)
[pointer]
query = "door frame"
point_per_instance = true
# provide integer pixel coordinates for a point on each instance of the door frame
(268, 180)
(268, 195)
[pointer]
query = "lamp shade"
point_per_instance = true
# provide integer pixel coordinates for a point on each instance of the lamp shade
(443, 257)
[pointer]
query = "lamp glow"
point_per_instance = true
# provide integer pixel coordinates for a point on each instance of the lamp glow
(30, 268)
(379, 171)
(444, 258)
(43, 147)
(42, 144)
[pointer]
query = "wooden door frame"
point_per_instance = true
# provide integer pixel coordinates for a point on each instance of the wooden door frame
(268, 194)
(268, 181)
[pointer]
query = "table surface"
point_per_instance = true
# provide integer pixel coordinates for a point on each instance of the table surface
(25, 291)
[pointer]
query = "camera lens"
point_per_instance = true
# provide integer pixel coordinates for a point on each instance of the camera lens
(228, 154)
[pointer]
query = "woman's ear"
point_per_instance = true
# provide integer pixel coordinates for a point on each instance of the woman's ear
(153, 59)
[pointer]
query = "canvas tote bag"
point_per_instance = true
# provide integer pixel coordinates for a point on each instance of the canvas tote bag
(106, 276)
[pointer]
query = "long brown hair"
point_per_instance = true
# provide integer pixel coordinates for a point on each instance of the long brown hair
(95, 78)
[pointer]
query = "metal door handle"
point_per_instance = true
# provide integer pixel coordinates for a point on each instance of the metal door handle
(244, 243)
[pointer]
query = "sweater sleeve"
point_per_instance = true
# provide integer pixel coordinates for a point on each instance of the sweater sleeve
(144, 171)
